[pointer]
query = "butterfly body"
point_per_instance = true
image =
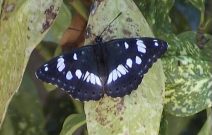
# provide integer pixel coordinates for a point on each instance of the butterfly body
(114, 68)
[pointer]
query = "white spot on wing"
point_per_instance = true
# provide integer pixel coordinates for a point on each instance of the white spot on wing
(141, 46)
(98, 81)
(141, 49)
(126, 45)
(78, 73)
(46, 69)
(149, 60)
(86, 75)
(122, 69)
(88, 78)
(118, 73)
(60, 64)
(75, 56)
(156, 42)
(60, 59)
(138, 60)
(114, 75)
(69, 75)
(61, 67)
(92, 78)
(129, 63)
(109, 80)
(140, 43)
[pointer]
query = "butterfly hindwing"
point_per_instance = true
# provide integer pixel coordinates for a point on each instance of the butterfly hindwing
(127, 62)
(75, 72)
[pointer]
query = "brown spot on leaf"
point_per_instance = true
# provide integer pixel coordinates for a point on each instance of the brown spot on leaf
(6, 9)
(28, 37)
(126, 32)
(45, 26)
(120, 106)
(9, 7)
(121, 118)
(110, 31)
(129, 19)
(50, 16)
(88, 33)
(101, 117)
(201, 38)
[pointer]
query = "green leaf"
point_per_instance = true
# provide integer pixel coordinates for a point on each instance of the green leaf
(199, 4)
(140, 112)
(157, 14)
(61, 24)
(72, 123)
(176, 125)
(22, 28)
(25, 114)
(189, 77)
(207, 127)
(80, 8)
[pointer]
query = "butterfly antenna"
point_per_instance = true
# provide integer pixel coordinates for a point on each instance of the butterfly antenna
(110, 24)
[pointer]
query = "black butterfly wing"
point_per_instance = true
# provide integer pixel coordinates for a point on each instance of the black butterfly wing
(75, 72)
(127, 62)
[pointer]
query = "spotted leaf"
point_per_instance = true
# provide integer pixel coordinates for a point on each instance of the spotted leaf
(189, 76)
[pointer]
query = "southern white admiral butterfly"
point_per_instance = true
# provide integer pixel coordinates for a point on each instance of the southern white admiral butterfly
(114, 68)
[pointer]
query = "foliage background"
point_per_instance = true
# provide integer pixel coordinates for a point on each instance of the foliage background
(185, 25)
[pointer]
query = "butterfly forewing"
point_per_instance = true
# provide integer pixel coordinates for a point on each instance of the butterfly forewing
(75, 72)
(127, 62)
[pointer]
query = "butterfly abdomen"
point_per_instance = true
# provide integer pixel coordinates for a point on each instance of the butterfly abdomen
(99, 51)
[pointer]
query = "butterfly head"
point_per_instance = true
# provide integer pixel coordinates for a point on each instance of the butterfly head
(98, 39)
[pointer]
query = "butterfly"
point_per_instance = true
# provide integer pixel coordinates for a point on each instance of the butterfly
(114, 68)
